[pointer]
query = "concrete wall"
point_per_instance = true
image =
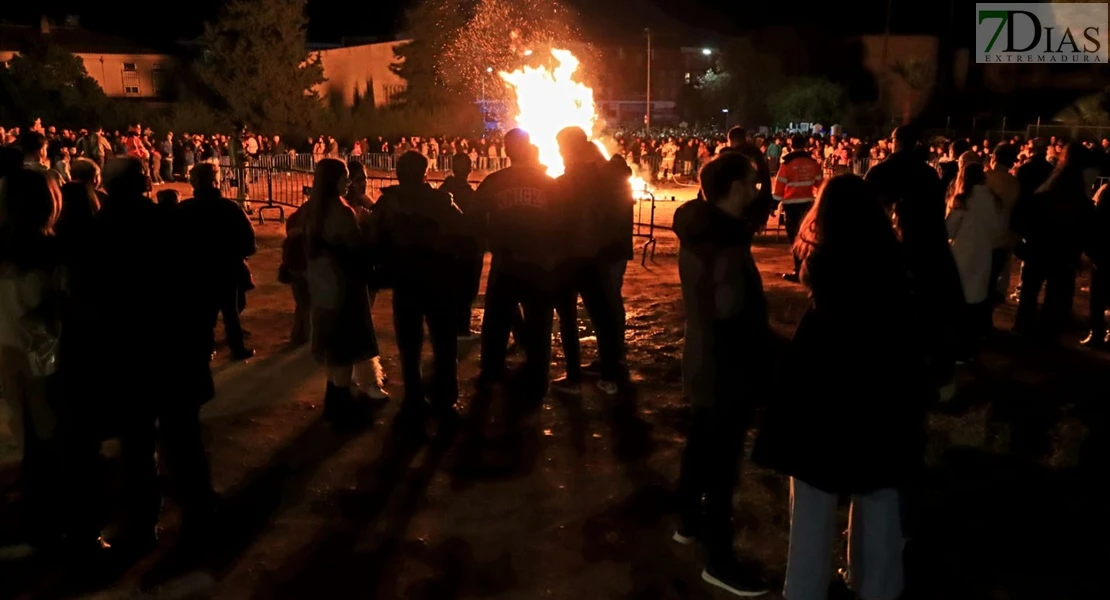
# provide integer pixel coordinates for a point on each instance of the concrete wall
(144, 77)
(351, 68)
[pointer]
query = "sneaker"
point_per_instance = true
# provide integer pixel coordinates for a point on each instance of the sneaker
(735, 579)
(567, 386)
(609, 388)
(791, 277)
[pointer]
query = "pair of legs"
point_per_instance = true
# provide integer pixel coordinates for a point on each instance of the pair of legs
(412, 307)
(510, 289)
(874, 544)
(590, 281)
(1058, 280)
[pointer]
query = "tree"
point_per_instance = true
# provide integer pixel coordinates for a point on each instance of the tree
(740, 81)
(257, 68)
(808, 100)
(456, 43)
(44, 81)
(918, 74)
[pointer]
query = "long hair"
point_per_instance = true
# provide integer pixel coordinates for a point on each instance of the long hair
(847, 221)
(29, 206)
(325, 193)
(971, 175)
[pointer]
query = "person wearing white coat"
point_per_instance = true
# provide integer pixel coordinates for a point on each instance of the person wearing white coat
(973, 224)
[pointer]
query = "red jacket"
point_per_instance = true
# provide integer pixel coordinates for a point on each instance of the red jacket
(798, 178)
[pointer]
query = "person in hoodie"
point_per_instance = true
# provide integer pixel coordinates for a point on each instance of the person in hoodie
(726, 355)
(473, 255)
(795, 187)
(514, 210)
(418, 231)
(583, 193)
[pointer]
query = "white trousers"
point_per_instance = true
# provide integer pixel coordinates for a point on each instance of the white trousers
(874, 544)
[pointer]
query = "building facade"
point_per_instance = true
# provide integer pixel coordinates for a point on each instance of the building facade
(362, 71)
(122, 68)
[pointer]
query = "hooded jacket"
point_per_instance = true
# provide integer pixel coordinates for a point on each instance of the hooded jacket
(418, 232)
(726, 351)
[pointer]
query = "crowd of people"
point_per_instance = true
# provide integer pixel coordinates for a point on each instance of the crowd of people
(907, 262)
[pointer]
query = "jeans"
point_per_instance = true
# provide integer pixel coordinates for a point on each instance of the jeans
(178, 426)
(874, 544)
(510, 288)
(612, 286)
(592, 281)
(1058, 280)
(470, 278)
(710, 470)
(412, 306)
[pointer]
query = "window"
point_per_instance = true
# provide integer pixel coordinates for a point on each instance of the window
(157, 79)
(130, 80)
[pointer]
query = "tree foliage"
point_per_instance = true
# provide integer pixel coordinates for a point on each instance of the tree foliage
(454, 42)
(740, 80)
(44, 81)
(808, 100)
(256, 66)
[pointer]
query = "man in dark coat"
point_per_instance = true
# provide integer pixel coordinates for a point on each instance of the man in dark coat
(473, 254)
(221, 238)
(145, 298)
(515, 213)
(419, 232)
(909, 188)
(725, 357)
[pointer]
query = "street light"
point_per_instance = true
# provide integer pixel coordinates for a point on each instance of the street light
(489, 69)
(706, 51)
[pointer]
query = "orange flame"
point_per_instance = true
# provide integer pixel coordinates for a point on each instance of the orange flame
(547, 100)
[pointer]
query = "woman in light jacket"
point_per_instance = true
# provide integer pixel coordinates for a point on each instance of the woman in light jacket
(973, 223)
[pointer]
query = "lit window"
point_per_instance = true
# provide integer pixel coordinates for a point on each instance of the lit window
(131, 90)
(130, 67)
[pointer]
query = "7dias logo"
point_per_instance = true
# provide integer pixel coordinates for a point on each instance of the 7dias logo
(1041, 33)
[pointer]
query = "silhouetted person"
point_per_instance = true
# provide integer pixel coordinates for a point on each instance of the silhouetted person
(911, 190)
(725, 356)
(418, 230)
(146, 310)
(228, 239)
(473, 254)
(515, 213)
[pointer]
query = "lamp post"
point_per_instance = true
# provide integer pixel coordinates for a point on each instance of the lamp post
(489, 70)
(647, 97)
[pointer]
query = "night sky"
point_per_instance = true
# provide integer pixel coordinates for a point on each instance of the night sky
(332, 19)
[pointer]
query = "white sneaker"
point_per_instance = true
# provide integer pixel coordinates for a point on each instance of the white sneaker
(609, 388)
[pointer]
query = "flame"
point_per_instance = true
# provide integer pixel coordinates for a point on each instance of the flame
(547, 100)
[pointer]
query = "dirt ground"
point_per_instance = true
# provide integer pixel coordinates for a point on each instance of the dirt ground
(575, 501)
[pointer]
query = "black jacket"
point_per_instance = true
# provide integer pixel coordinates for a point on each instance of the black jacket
(728, 347)
(418, 233)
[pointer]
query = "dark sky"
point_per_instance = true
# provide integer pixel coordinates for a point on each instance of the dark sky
(332, 19)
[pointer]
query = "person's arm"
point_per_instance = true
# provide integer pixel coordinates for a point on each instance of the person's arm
(727, 277)
(245, 234)
(781, 179)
